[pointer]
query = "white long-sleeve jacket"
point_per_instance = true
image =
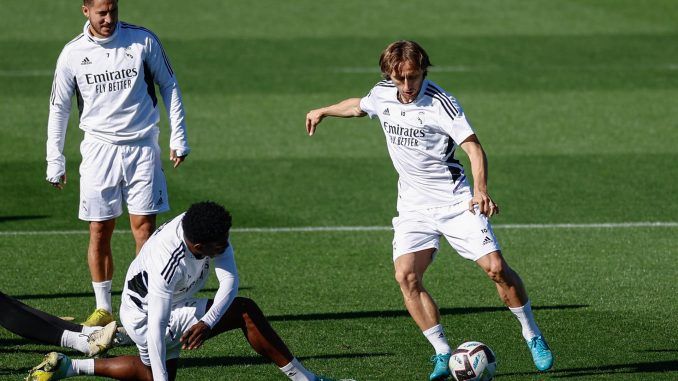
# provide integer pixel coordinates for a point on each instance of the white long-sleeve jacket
(113, 80)
(166, 273)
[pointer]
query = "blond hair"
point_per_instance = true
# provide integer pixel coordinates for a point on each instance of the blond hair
(400, 52)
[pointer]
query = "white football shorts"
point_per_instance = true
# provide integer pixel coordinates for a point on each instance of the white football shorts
(182, 317)
(469, 234)
(112, 174)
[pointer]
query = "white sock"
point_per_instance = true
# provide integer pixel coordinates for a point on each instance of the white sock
(89, 330)
(436, 336)
(526, 319)
(75, 340)
(84, 367)
(102, 293)
(296, 372)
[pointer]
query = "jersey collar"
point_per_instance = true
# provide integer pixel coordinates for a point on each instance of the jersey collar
(97, 40)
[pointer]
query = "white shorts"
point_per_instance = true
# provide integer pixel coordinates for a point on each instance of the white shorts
(469, 234)
(112, 174)
(182, 317)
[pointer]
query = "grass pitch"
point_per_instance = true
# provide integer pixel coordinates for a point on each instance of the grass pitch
(574, 102)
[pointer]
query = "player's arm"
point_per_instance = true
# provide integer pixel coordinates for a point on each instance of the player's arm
(227, 274)
(478, 161)
(158, 317)
(347, 108)
(160, 290)
(163, 75)
(63, 87)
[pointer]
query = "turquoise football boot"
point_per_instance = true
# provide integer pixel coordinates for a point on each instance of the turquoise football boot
(541, 353)
(441, 367)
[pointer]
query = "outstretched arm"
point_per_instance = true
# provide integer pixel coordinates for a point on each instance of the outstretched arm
(478, 160)
(348, 108)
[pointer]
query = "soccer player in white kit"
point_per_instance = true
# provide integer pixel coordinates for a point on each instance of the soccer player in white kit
(112, 68)
(161, 314)
(424, 125)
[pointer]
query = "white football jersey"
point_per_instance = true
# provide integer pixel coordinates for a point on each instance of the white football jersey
(164, 274)
(422, 137)
(113, 80)
(165, 268)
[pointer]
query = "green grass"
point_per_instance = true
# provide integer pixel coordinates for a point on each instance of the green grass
(574, 102)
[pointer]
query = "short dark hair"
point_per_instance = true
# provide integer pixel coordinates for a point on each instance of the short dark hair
(398, 53)
(89, 3)
(206, 222)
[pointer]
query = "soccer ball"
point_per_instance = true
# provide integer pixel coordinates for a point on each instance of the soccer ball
(473, 361)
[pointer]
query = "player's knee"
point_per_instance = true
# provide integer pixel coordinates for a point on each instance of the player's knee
(497, 271)
(245, 305)
(101, 231)
(143, 231)
(408, 280)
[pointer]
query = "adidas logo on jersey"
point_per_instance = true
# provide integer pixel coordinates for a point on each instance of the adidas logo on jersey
(86, 61)
(386, 112)
(486, 240)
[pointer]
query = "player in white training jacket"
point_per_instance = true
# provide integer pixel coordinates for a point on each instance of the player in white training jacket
(161, 314)
(111, 69)
(423, 126)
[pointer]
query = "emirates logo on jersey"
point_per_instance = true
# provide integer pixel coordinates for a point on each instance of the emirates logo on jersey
(111, 81)
(110, 76)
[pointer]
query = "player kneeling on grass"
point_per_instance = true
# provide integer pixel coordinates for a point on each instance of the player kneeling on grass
(423, 126)
(161, 314)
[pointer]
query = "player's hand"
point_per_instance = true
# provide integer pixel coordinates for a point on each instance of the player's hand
(60, 184)
(195, 336)
(175, 159)
(312, 119)
(485, 204)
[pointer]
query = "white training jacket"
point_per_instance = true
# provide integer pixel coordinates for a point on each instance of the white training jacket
(166, 273)
(113, 80)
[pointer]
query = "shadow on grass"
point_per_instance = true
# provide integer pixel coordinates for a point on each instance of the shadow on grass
(640, 367)
(21, 218)
(87, 294)
(659, 350)
(10, 342)
(259, 360)
(404, 313)
(21, 345)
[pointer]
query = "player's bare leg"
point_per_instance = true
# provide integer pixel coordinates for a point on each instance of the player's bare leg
(99, 255)
(509, 285)
(130, 368)
(409, 273)
(57, 366)
(245, 314)
(100, 262)
(142, 228)
(512, 292)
